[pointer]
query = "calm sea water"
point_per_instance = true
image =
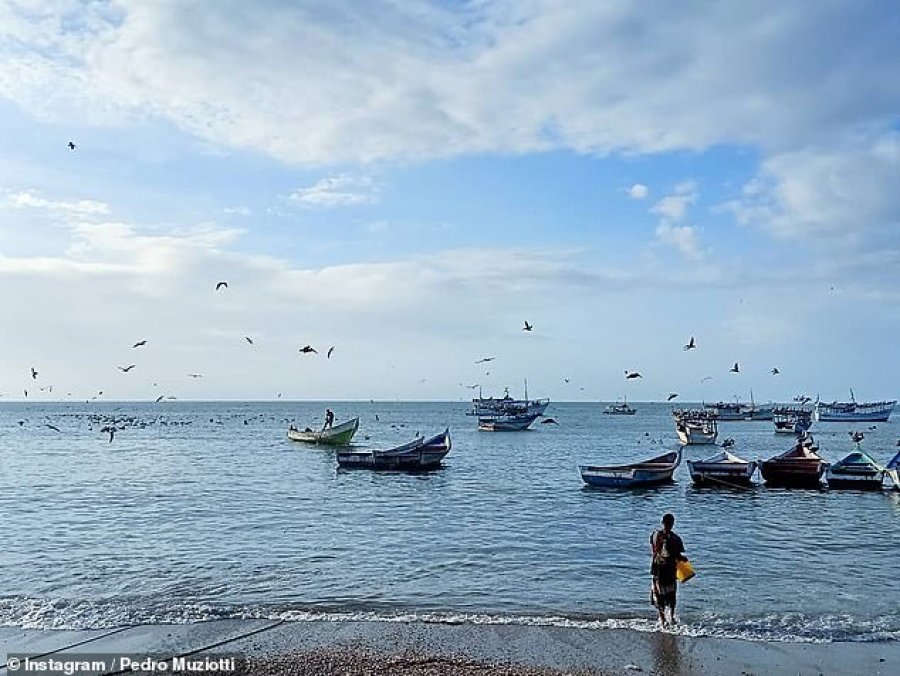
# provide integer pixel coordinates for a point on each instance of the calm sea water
(206, 510)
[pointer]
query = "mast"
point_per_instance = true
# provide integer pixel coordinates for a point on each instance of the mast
(526, 389)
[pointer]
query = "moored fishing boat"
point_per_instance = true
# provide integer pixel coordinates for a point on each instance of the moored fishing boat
(695, 427)
(792, 420)
(722, 469)
(506, 405)
(853, 411)
(506, 423)
(858, 470)
(337, 435)
(419, 454)
(648, 473)
(800, 467)
(620, 408)
(726, 411)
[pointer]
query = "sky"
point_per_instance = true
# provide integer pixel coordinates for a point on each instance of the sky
(409, 182)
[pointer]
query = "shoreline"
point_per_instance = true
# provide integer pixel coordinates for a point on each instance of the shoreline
(348, 647)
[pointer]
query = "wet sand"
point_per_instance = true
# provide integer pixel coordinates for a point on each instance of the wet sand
(417, 648)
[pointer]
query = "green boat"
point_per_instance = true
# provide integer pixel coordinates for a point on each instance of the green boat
(339, 435)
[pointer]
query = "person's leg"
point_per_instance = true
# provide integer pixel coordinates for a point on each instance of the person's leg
(672, 602)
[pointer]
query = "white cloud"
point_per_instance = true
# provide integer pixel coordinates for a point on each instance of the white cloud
(30, 200)
(684, 238)
(337, 191)
(638, 191)
(380, 80)
(674, 207)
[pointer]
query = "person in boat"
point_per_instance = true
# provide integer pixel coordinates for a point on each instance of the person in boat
(666, 549)
(329, 418)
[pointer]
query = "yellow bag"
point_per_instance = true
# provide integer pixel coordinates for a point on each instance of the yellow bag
(684, 571)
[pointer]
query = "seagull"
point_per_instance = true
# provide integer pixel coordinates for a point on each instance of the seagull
(140, 343)
(221, 285)
(527, 326)
(195, 375)
(248, 339)
(735, 368)
(71, 145)
(46, 387)
(550, 421)
(306, 349)
(111, 430)
(565, 379)
(126, 369)
(26, 392)
(484, 359)
(775, 371)
(160, 398)
(632, 375)
(330, 350)
(857, 436)
(52, 427)
(671, 396)
(690, 345)
(34, 374)
(705, 378)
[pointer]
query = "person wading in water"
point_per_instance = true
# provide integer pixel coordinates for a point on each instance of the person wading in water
(666, 550)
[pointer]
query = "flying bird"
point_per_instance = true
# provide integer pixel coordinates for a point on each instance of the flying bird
(26, 392)
(527, 326)
(111, 430)
(330, 350)
(565, 379)
(549, 421)
(160, 398)
(484, 359)
(34, 374)
(775, 371)
(140, 343)
(735, 368)
(306, 349)
(71, 145)
(632, 375)
(52, 427)
(705, 378)
(126, 369)
(221, 285)
(195, 375)
(690, 345)
(248, 339)
(671, 396)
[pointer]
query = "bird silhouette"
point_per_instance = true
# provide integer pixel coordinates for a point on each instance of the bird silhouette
(140, 343)
(527, 326)
(195, 375)
(248, 339)
(306, 349)
(52, 427)
(631, 375)
(330, 350)
(71, 145)
(111, 430)
(34, 374)
(565, 380)
(126, 369)
(735, 368)
(485, 359)
(690, 345)
(857, 436)
(26, 392)
(160, 398)
(221, 285)
(705, 379)
(549, 421)
(775, 371)
(671, 396)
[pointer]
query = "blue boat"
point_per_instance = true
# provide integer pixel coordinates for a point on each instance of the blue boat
(892, 469)
(648, 473)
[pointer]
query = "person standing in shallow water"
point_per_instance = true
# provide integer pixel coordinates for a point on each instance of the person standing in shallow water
(666, 550)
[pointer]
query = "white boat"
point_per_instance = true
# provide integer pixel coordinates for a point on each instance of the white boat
(723, 410)
(507, 406)
(792, 420)
(620, 408)
(506, 423)
(722, 469)
(853, 411)
(696, 427)
(338, 435)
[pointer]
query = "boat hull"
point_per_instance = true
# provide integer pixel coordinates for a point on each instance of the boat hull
(639, 475)
(871, 481)
(721, 474)
(339, 435)
(853, 412)
(506, 423)
(418, 455)
(792, 473)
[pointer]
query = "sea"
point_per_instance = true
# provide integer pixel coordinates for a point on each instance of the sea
(198, 511)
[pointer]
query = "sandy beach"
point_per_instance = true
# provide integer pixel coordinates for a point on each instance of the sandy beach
(418, 648)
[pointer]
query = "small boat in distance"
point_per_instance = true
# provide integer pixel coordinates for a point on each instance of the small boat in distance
(651, 472)
(722, 469)
(418, 455)
(506, 423)
(858, 470)
(506, 405)
(337, 435)
(724, 410)
(800, 467)
(792, 420)
(695, 427)
(853, 411)
(620, 408)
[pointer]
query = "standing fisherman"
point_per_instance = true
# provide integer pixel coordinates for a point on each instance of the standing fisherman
(666, 550)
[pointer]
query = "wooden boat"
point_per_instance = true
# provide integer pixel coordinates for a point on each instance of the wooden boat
(506, 423)
(722, 469)
(648, 473)
(696, 427)
(338, 435)
(858, 470)
(418, 455)
(800, 467)
(792, 420)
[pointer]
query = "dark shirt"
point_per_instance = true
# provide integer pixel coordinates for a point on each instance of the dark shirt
(666, 549)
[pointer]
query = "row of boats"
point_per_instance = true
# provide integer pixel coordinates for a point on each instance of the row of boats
(799, 467)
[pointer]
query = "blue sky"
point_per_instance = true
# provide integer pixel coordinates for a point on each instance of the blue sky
(411, 182)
